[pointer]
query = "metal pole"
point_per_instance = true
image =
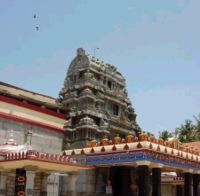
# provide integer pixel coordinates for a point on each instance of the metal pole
(95, 50)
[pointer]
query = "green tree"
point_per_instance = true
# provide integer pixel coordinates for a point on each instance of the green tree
(197, 128)
(165, 135)
(176, 133)
(148, 134)
(186, 133)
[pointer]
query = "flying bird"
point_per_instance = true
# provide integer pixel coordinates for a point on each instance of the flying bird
(37, 27)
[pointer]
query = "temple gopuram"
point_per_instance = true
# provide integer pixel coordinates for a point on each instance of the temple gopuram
(96, 100)
(87, 142)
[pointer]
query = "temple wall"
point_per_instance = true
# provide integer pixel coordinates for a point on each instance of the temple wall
(10, 184)
(7, 183)
(43, 139)
(32, 115)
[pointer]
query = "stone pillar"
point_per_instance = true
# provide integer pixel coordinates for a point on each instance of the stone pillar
(99, 182)
(126, 181)
(156, 181)
(72, 184)
(64, 184)
(143, 180)
(196, 178)
(44, 177)
(85, 183)
(187, 184)
(24, 181)
(30, 181)
(3, 183)
(179, 191)
(10, 182)
(53, 185)
(116, 180)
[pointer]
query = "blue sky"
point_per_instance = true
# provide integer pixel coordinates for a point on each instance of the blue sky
(155, 44)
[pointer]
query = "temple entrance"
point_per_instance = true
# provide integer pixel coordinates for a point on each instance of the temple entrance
(121, 181)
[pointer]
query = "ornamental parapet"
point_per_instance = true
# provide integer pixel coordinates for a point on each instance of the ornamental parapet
(142, 148)
(109, 147)
(35, 155)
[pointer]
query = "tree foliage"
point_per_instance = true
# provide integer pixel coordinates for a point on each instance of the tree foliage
(165, 135)
(197, 128)
(186, 132)
(189, 131)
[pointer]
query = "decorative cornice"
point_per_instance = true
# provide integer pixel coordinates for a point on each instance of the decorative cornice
(44, 157)
(139, 151)
(31, 107)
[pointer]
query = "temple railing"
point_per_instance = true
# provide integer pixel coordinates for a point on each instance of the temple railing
(34, 155)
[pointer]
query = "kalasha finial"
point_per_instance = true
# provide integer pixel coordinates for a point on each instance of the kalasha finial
(143, 136)
(11, 140)
(93, 143)
(80, 52)
(117, 139)
(129, 138)
(152, 138)
(105, 140)
(160, 141)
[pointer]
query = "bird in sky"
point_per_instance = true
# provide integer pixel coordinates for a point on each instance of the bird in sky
(37, 27)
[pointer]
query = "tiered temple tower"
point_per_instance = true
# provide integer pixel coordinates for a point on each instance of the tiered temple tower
(96, 100)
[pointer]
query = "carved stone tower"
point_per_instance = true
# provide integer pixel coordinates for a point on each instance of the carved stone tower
(96, 100)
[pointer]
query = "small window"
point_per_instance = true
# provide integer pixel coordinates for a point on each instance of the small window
(115, 109)
(89, 134)
(81, 134)
(77, 135)
(73, 135)
(81, 75)
(74, 121)
(109, 84)
(98, 121)
(78, 92)
(75, 78)
(69, 136)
